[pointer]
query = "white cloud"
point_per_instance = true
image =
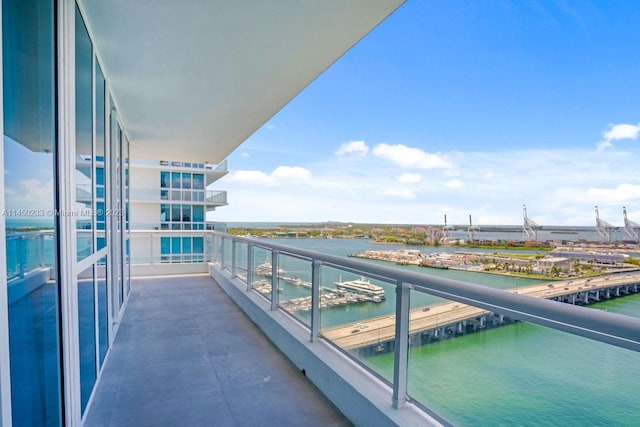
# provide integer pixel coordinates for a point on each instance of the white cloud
(402, 193)
(252, 177)
(29, 194)
(259, 178)
(617, 132)
(355, 148)
(295, 172)
(622, 131)
(603, 145)
(622, 193)
(411, 157)
(269, 126)
(560, 187)
(454, 183)
(410, 178)
(245, 154)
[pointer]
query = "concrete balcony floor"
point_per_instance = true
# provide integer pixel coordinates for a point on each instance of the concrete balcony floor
(186, 355)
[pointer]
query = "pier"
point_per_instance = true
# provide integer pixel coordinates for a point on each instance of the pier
(449, 319)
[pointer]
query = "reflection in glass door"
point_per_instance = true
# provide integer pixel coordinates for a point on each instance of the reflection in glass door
(115, 220)
(30, 147)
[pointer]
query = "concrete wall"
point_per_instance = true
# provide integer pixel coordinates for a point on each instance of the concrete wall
(145, 177)
(138, 270)
(145, 214)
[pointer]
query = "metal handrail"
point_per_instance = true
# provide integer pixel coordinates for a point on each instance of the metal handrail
(611, 328)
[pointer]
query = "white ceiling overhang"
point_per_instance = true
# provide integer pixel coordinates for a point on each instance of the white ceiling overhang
(193, 79)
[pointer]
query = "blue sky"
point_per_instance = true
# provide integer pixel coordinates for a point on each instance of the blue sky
(459, 108)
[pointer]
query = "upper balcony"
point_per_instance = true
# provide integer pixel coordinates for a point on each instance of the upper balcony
(211, 172)
(211, 199)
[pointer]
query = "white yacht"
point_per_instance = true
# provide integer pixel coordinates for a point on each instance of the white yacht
(362, 286)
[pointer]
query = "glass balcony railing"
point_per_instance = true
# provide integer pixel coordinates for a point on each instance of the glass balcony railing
(27, 252)
(220, 168)
(471, 354)
(207, 197)
(155, 247)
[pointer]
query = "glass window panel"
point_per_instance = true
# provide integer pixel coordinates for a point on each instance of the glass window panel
(186, 213)
(165, 245)
(175, 213)
(198, 181)
(186, 180)
(198, 245)
(164, 212)
(175, 245)
(100, 166)
(100, 214)
(87, 334)
(100, 149)
(186, 245)
(175, 179)
(103, 326)
(198, 213)
(84, 138)
(29, 157)
(164, 179)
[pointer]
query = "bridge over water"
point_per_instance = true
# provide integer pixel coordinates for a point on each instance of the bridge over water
(443, 320)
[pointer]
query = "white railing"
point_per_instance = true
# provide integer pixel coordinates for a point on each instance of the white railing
(238, 256)
(220, 168)
(27, 252)
(191, 196)
(146, 247)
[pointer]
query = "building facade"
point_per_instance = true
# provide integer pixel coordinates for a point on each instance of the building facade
(169, 207)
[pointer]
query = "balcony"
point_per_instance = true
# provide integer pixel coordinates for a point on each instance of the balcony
(210, 198)
(437, 345)
(186, 355)
(218, 170)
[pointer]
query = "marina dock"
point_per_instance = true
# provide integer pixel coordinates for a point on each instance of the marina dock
(443, 320)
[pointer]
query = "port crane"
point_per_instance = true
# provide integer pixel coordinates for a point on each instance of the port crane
(472, 230)
(603, 228)
(447, 229)
(530, 227)
(630, 227)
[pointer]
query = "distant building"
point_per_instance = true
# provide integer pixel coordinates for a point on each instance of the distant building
(172, 197)
(552, 261)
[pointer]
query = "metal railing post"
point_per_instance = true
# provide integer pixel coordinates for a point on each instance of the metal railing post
(214, 250)
(249, 266)
(315, 299)
(22, 256)
(222, 252)
(274, 279)
(401, 348)
(41, 255)
(234, 267)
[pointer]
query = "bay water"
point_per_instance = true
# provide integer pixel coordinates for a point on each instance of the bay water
(516, 375)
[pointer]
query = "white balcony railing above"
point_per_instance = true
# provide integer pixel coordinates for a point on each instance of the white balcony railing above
(210, 198)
